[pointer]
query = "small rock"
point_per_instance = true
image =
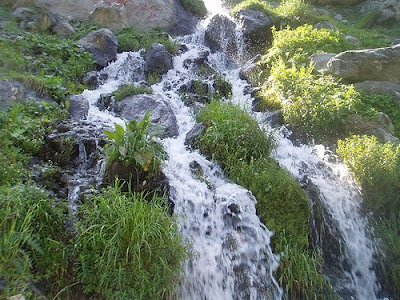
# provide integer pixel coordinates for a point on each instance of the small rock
(339, 17)
(91, 80)
(63, 29)
(79, 107)
(385, 122)
(325, 25)
(321, 61)
(352, 40)
(193, 136)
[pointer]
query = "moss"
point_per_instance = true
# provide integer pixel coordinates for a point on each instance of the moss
(127, 90)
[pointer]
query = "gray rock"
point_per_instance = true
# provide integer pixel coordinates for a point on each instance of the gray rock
(352, 40)
(91, 80)
(325, 25)
(256, 25)
(321, 61)
(63, 29)
(370, 6)
(12, 92)
(158, 59)
(44, 22)
(247, 71)
(220, 35)
(185, 22)
(193, 136)
(380, 64)
(24, 14)
(110, 17)
(395, 42)
(24, 3)
(339, 17)
(135, 107)
(382, 135)
(103, 44)
(379, 87)
(78, 107)
(385, 122)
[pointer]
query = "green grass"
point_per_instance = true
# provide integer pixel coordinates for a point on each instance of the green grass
(196, 7)
(127, 90)
(236, 142)
(131, 40)
(128, 248)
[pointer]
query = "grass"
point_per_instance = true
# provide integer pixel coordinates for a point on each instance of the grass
(128, 248)
(127, 90)
(131, 40)
(196, 7)
(234, 140)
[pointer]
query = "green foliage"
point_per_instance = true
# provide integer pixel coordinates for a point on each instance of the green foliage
(32, 236)
(222, 87)
(235, 140)
(22, 131)
(131, 40)
(254, 5)
(153, 78)
(128, 248)
(377, 168)
(134, 146)
(127, 90)
(232, 135)
(295, 46)
(319, 105)
(196, 7)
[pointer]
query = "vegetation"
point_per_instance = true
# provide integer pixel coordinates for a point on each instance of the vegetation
(128, 248)
(196, 7)
(376, 167)
(235, 141)
(135, 146)
(127, 90)
(131, 40)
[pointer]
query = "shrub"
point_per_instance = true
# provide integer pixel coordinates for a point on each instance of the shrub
(131, 40)
(32, 237)
(128, 248)
(222, 87)
(377, 168)
(134, 146)
(196, 7)
(127, 90)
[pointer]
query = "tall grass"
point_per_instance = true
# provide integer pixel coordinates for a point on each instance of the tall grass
(128, 248)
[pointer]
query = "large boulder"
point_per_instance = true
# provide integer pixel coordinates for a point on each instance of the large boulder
(103, 44)
(135, 107)
(158, 59)
(221, 35)
(384, 11)
(380, 64)
(256, 25)
(78, 107)
(379, 87)
(185, 22)
(143, 15)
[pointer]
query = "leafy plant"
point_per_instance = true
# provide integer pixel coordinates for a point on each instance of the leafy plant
(134, 145)
(222, 87)
(128, 247)
(127, 90)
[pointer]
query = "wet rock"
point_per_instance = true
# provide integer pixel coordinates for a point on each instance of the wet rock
(379, 87)
(78, 107)
(103, 44)
(220, 35)
(158, 59)
(63, 29)
(106, 101)
(198, 61)
(321, 61)
(275, 118)
(380, 64)
(135, 107)
(249, 69)
(193, 136)
(256, 26)
(12, 92)
(91, 80)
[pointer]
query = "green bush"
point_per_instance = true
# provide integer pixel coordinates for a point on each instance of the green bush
(196, 7)
(376, 167)
(134, 146)
(131, 40)
(32, 237)
(128, 248)
(318, 105)
(127, 90)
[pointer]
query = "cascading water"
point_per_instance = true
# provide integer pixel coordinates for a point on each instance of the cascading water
(232, 258)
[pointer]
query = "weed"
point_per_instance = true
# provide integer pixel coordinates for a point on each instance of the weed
(196, 7)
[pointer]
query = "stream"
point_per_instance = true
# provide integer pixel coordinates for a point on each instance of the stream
(232, 257)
